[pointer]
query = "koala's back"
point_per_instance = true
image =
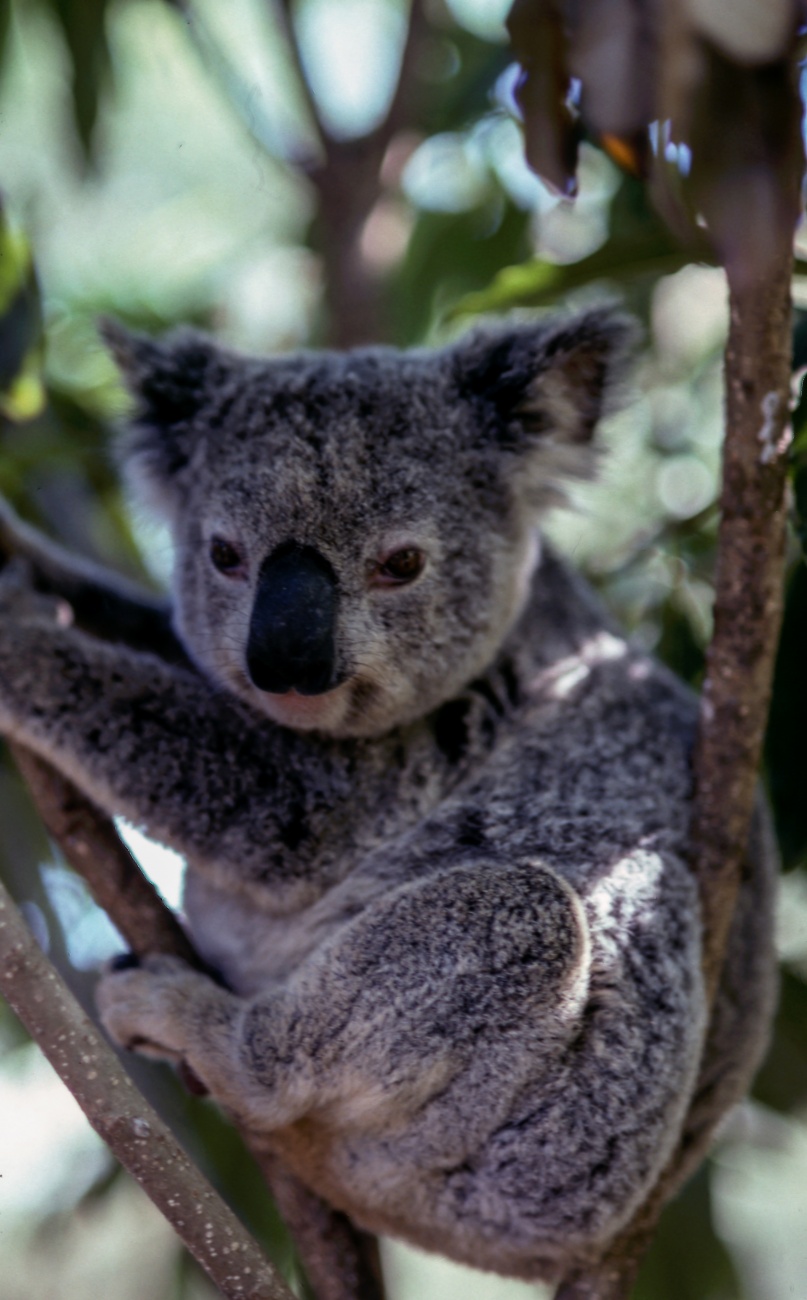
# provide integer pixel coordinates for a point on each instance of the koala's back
(570, 756)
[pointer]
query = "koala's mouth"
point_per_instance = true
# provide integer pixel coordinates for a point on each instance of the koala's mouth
(322, 712)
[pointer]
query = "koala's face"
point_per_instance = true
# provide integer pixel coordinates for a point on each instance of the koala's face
(355, 532)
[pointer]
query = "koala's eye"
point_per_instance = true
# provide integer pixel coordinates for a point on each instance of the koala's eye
(225, 558)
(400, 567)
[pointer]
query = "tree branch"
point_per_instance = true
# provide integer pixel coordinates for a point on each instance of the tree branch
(92, 846)
(748, 593)
(401, 106)
(282, 141)
(282, 10)
(123, 1118)
(749, 583)
(348, 184)
(341, 1262)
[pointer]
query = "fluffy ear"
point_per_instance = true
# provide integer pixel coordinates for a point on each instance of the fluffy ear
(541, 388)
(169, 379)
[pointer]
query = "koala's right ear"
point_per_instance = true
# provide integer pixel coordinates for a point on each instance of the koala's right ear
(168, 379)
(540, 388)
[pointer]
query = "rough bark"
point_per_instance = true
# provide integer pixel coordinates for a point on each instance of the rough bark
(341, 1261)
(123, 1118)
(748, 594)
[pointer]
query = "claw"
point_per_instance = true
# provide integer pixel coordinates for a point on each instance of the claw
(123, 961)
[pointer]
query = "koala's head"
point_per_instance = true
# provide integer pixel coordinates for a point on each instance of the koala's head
(355, 532)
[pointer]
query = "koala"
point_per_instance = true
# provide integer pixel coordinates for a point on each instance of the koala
(435, 807)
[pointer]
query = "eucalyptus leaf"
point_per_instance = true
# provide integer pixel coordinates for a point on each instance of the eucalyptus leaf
(5, 23)
(21, 388)
(83, 23)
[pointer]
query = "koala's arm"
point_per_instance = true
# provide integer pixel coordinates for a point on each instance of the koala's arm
(151, 741)
(103, 603)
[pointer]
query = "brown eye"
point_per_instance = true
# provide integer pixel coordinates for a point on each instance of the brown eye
(225, 557)
(400, 567)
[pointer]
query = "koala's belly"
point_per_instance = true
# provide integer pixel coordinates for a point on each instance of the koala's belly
(251, 947)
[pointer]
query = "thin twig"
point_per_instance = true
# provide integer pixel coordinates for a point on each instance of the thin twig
(402, 103)
(283, 142)
(119, 1113)
(282, 11)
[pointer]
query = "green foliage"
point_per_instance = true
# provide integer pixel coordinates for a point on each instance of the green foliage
(787, 726)
(449, 254)
(782, 1081)
(5, 22)
(639, 244)
(21, 391)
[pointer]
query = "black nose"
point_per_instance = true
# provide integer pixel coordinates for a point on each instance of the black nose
(291, 633)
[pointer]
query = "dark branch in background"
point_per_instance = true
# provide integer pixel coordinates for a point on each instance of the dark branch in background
(123, 1118)
(340, 1262)
(344, 173)
(102, 603)
(347, 181)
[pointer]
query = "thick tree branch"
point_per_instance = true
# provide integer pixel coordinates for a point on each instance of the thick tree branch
(739, 671)
(123, 1118)
(748, 593)
(340, 1262)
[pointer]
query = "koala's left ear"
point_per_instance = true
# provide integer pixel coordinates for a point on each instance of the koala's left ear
(169, 379)
(544, 383)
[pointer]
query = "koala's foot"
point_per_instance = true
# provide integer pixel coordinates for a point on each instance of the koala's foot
(160, 1007)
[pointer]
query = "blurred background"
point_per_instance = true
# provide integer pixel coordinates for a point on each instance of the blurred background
(330, 172)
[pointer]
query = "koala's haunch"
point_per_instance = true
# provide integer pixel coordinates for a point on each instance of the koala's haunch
(435, 809)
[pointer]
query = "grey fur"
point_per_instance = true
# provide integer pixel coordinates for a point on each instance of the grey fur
(450, 895)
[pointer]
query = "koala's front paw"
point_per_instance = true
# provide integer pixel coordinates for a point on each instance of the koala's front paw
(156, 1007)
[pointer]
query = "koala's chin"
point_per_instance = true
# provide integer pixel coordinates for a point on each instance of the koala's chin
(357, 709)
(327, 712)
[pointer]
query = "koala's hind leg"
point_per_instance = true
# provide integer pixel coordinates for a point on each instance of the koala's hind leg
(403, 1000)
